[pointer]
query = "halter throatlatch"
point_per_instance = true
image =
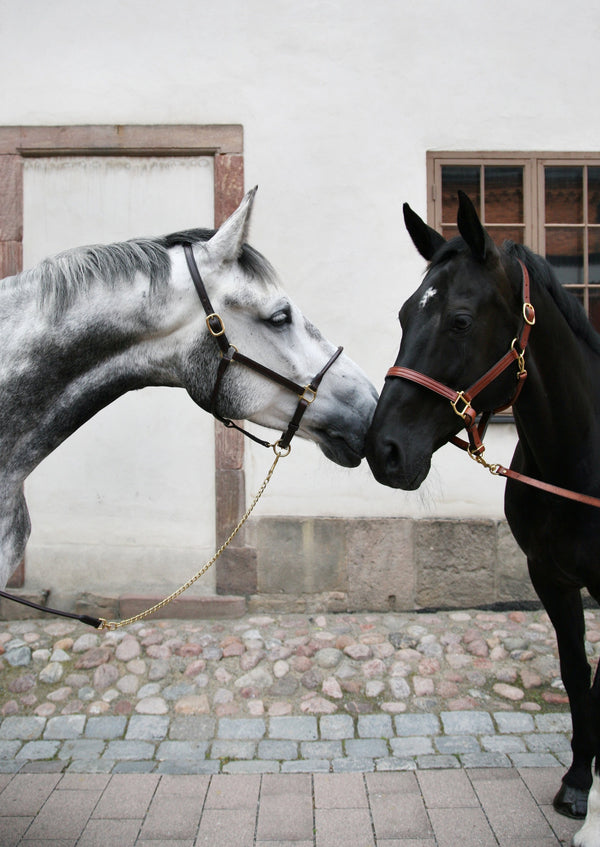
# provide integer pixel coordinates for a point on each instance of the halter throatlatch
(461, 401)
(229, 353)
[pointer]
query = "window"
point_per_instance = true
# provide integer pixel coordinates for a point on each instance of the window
(548, 201)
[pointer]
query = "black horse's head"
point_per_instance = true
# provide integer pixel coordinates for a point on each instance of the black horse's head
(455, 326)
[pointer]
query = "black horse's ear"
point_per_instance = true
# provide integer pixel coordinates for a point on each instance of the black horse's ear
(471, 228)
(427, 240)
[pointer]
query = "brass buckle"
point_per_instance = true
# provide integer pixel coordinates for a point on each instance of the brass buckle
(520, 354)
(529, 310)
(462, 413)
(308, 394)
(215, 333)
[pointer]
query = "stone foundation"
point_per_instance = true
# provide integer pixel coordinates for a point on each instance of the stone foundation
(381, 564)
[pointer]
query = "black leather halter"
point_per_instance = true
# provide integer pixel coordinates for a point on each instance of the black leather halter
(305, 393)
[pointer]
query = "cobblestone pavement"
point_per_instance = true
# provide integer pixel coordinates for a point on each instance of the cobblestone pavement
(388, 729)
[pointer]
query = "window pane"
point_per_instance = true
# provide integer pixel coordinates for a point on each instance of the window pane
(501, 233)
(465, 177)
(594, 195)
(503, 194)
(449, 232)
(564, 195)
(594, 255)
(564, 251)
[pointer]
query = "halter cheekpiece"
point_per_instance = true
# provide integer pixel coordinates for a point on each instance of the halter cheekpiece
(229, 353)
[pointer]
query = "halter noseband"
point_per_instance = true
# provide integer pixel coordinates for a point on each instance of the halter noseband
(305, 393)
(461, 400)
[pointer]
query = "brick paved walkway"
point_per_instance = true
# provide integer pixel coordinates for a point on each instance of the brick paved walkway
(509, 807)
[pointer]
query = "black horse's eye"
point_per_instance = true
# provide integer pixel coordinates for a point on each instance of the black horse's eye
(461, 322)
(281, 318)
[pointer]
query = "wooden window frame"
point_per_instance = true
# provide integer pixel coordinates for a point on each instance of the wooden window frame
(236, 570)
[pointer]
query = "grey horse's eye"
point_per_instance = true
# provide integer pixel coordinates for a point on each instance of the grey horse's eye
(281, 318)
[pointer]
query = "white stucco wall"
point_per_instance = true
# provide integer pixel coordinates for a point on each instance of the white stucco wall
(339, 101)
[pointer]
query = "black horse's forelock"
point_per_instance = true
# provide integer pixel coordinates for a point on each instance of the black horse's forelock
(69, 274)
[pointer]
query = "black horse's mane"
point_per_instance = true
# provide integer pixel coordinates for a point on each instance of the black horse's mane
(540, 270)
(566, 302)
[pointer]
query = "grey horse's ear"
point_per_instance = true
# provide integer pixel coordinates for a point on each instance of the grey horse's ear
(427, 240)
(226, 244)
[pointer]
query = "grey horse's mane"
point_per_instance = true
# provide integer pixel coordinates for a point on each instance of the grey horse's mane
(63, 278)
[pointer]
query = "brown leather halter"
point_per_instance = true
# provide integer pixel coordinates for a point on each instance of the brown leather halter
(461, 402)
(305, 393)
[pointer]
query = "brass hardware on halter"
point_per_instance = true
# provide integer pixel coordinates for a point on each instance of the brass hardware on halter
(477, 456)
(519, 354)
(462, 413)
(309, 394)
(213, 332)
(528, 314)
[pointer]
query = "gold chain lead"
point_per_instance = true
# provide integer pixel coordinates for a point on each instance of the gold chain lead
(112, 625)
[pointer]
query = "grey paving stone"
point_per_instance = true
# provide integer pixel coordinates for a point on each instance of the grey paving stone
(512, 722)
(321, 749)
(366, 748)
(375, 726)
(533, 760)
(502, 744)
(412, 745)
(241, 728)
(25, 729)
(132, 766)
(65, 726)
(306, 766)
(395, 764)
(485, 760)
(412, 724)
(188, 750)
(107, 727)
(554, 722)
(430, 762)
(233, 749)
(468, 723)
(193, 728)
(9, 749)
(350, 764)
(90, 766)
(147, 728)
(188, 767)
(551, 742)
(117, 750)
(303, 728)
(38, 750)
(81, 749)
(336, 726)
(270, 749)
(253, 766)
(457, 744)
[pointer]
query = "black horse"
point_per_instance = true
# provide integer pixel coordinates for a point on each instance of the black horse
(466, 316)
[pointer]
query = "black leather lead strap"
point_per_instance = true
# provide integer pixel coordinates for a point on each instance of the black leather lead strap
(86, 619)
